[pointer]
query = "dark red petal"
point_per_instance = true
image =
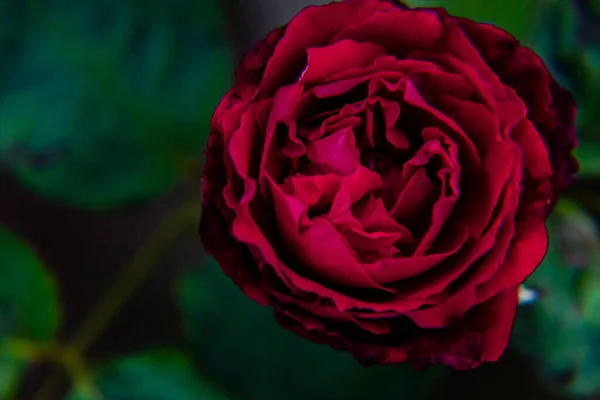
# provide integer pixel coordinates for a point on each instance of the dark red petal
(442, 315)
(373, 217)
(535, 151)
(480, 336)
(371, 245)
(551, 108)
(241, 148)
(449, 272)
(233, 257)
(483, 90)
(459, 45)
(471, 158)
(251, 68)
(336, 153)
(313, 191)
(282, 106)
(323, 62)
(395, 269)
(526, 252)
(314, 26)
(317, 245)
(487, 185)
(397, 30)
(498, 316)
(389, 67)
(416, 198)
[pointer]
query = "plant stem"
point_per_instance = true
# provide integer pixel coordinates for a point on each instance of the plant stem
(134, 274)
(77, 370)
(48, 388)
(28, 351)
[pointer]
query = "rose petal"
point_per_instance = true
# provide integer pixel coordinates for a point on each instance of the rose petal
(241, 147)
(498, 318)
(535, 155)
(326, 61)
(388, 67)
(416, 198)
(471, 159)
(460, 46)
(398, 30)
(370, 246)
(312, 191)
(283, 104)
(232, 256)
(314, 26)
(484, 130)
(317, 244)
(336, 153)
(525, 254)
(324, 252)
(373, 217)
(473, 249)
(362, 182)
(392, 270)
(442, 315)
(483, 194)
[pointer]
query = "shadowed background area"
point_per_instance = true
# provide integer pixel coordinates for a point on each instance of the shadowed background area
(105, 291)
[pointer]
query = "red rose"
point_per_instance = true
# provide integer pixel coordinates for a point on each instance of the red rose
(381, 176)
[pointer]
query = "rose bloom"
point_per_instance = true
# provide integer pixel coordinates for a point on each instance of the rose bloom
(381, 176)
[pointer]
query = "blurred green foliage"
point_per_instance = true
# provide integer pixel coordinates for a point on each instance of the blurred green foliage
(29, 308)
(156, 375)
(567, 36)
(25, 284)
(561, 332)
(240, 342)
(514, 16)
(11, 374)
(107, 102)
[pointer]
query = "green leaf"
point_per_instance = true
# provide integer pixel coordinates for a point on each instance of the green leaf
(156, 375)
(239, 343)
(514, 16)
(28, 297)
(109, 102)
(560, 36)
(11, 373)
(29, 308)
(560, 332)
(588, 156)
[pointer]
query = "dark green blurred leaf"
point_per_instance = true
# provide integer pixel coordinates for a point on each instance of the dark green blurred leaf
(158, 375)
(240, 344)
(567, 36)
(29, 307)
(107, 102)
(513, 16)
(588, 156)
(11, 373)
(561, 332)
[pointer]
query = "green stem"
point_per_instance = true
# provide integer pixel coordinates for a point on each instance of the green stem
(28, 352)
(134, 274)
(72, 362)
(48, 388)
(75, 366)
